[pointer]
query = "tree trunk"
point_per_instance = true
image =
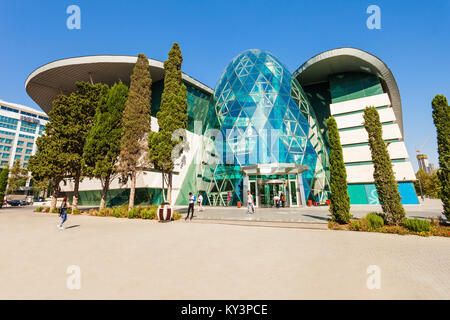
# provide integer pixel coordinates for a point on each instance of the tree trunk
(54, 195)
(169, 188)
(105, 192)
(164, 194)
(75, 191)
(132, 190)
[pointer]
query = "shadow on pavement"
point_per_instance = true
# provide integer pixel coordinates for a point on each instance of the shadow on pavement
(74, 226)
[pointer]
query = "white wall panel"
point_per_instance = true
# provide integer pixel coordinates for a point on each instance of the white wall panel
(390, 131)
(397, 150)
(356, 119)
(403, 171)
(359, 104)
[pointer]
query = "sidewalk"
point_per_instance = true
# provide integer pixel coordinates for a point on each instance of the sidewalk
(429, 208)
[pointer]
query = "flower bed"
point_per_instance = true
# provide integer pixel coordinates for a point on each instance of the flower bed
(143, 212)
(424, 228)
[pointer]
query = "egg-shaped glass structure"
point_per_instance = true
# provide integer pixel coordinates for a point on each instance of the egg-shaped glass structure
(270, 143)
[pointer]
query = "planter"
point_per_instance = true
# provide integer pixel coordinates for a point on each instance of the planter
(164, 212)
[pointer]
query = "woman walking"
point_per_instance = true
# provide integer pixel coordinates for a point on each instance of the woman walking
(63, 213)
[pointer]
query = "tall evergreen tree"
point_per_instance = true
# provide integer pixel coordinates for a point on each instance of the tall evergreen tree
(50, 163)
(3, 183)
(102, 148)
(340, 200)
(172, 120)
(385, 183)
(441, 118)
(136, 122)
(71, 118)
(17, 178)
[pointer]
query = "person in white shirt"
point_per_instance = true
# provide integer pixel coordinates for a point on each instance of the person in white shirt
(200, 202)
(250, 203)
(191, 205)
(276, 199)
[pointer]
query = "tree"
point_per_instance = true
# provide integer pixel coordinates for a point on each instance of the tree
(172, 120)
(441, 118)
(102, 147)
(430, 183)
(135, 123)
(340, 200)
(385, 183)
(18, 177)
(72, 118)
(50, 163)
(3, 183)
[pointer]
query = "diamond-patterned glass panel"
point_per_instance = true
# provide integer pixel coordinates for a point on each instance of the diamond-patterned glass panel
(264, 117)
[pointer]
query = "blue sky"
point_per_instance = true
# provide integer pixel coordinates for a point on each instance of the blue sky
(414, 41)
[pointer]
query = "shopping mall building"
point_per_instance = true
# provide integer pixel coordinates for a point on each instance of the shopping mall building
(262, 129)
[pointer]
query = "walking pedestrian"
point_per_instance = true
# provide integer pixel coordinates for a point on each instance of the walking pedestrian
(191, 206)
(62, 213)
(250, 203)
(200, 202)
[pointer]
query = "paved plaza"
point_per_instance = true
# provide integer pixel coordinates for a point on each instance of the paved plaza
(319, 214)
(140, 259)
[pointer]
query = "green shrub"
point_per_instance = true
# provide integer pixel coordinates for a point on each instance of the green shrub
(92, 212)
(46, 209)
(354, 225)
(105, 212)
(38, 209)
(116, 212)
(417, 225)
(374, 221)
(176, 215)
(76, 211)
(54, 210)
(133, 213)
(148, 213)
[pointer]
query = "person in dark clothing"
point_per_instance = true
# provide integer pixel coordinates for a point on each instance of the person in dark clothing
(191, 206)
(63, 213)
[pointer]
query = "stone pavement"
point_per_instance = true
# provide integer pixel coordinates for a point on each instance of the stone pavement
(319, 214)
(141, 259)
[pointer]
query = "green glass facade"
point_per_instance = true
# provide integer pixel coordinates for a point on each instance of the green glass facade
(263, 117)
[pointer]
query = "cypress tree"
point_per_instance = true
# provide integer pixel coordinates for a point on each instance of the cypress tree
(3, 183)
(385, 183)
(441, 118)
(102, 148)
(172, 119)
(340, 200)
(135, 122)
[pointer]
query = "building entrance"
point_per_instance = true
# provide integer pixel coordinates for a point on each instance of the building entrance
(266, 181)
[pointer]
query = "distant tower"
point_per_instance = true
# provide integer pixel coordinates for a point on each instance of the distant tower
(422, 159)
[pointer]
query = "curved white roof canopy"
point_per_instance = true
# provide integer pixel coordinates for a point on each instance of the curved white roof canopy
(45, 83)
(320, 67)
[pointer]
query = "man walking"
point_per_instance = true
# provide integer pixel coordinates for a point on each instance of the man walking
(250, 202)
(63, 213)
(191, 206)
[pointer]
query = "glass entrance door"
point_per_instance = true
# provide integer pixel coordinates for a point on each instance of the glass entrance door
(293, 193)
(266, 192)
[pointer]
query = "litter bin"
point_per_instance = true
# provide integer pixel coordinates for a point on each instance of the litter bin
(164, 212)
(239, 204)
(309, 203)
